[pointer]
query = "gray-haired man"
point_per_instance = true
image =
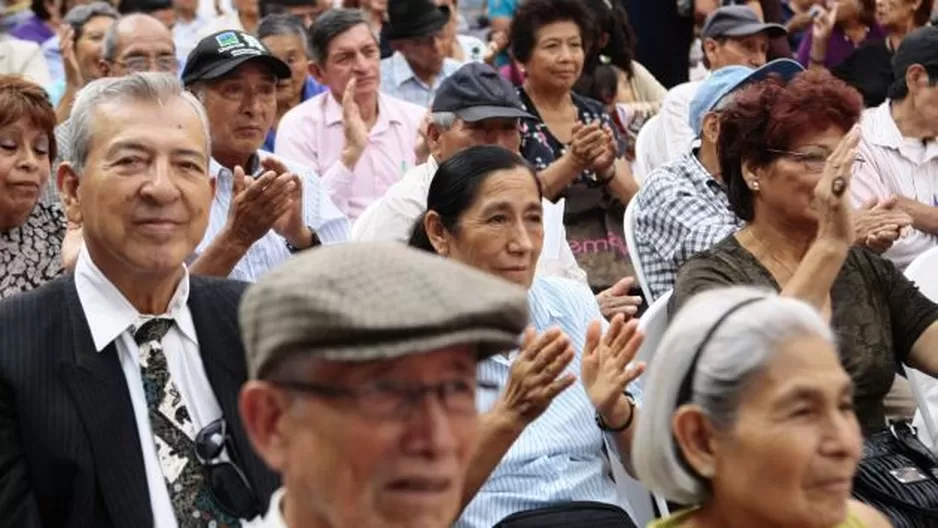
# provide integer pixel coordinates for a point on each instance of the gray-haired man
(118, 382)
(363, 359)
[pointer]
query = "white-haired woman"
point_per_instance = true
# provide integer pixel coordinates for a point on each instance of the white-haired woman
(748, 418)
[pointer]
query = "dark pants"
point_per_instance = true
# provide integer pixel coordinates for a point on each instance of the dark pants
(571, 514)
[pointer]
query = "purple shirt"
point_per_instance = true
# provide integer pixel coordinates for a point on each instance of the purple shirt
(839, 47)
(33, 30)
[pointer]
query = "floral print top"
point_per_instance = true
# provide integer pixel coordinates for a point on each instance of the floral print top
(30, 255)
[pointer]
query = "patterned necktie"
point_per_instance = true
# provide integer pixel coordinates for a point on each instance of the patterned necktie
(174, 434)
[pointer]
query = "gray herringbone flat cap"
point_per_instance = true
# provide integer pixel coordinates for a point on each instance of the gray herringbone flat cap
(366, 301)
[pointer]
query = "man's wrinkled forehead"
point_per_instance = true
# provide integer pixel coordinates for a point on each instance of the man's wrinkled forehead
(142, 34)
(151, 124)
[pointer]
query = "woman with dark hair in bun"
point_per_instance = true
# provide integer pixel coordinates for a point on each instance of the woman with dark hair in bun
(484, 210)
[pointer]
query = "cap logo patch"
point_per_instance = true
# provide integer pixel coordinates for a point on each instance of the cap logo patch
(228, 39)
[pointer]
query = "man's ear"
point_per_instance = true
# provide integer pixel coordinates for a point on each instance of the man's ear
(317, 72)
(69, 184)
(434, 135)
(264, 410)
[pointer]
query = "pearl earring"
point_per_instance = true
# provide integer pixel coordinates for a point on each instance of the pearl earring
(754, 186)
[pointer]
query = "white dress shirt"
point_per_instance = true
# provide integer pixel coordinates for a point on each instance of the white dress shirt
(110, 317)
(896, 166)
(392, 217)
(274, 517)
(674, 120)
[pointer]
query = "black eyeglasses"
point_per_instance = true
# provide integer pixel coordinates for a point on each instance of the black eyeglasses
(227, 484)
(394, 400)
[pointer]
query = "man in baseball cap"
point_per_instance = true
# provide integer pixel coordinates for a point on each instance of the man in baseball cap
(363, 394)
(235, 76)
(732, 36)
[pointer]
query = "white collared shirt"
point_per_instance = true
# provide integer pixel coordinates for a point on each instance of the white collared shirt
(392, 218)
(274, 517)
(896, 165)
(110, 317)
(674, 130)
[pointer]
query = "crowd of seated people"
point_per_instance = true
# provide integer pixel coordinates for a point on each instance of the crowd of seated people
(296, 264)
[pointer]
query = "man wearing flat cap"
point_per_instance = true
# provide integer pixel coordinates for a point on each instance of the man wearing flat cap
(419, 63)
(363, 365)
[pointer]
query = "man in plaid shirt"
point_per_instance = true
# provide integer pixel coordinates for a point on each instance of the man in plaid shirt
(682, 207)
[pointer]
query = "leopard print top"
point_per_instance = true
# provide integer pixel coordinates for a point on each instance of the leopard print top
(30, 254)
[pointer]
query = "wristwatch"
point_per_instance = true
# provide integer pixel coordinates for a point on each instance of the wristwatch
(313, 243)
(605, 427)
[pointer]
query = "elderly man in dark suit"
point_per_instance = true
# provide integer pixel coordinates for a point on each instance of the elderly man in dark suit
(119, 384)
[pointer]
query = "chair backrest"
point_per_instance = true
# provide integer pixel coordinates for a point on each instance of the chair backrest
(629, 228)
(925, 389)
(652, 325)
(644, 149)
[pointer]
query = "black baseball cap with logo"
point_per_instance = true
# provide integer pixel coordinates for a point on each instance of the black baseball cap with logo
(220, 53)
(475, 92)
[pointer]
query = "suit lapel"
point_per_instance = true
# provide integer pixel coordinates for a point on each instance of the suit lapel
(98, 387)
(226, 369)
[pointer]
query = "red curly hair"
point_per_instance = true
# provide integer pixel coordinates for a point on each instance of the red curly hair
(772, 115)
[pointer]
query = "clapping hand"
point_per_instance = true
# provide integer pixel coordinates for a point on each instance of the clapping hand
(73, 76)
(879, 223)
(291, 225)
(830, 195)
(535, 378)
(356, 130)
(607, 368)
(257, 204)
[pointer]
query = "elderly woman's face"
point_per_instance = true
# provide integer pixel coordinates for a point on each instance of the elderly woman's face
(791, 454)
(786, 186)
(502, 232)
(24, 170)
(88, 47)
(347, 463)
(557, 57)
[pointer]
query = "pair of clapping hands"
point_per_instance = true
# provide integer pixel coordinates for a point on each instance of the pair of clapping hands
(273, 200)
(593, 146)
(537, 373)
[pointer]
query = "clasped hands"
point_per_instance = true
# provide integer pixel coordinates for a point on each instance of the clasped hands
(539, 373)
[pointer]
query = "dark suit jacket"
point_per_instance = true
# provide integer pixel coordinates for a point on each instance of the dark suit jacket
(69, 449)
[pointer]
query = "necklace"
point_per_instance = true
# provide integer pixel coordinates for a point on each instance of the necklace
(765, 253)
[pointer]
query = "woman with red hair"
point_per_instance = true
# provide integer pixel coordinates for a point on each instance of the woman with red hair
(786, 153)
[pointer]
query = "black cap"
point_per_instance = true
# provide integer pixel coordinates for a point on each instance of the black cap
(415, 18)
(475, 92)
(220, 53)
(918, 47)
(738, 21)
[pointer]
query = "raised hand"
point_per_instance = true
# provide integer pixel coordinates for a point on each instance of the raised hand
(292, 224)
(607, 367)
(831, 204)
(535, 378)
(616, 300)
(823, 24)
(73, 76)
(356, 130)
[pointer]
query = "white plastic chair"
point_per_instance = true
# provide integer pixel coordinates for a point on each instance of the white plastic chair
(628, 228)
(635, 497)
(644, 150)
(922, 271)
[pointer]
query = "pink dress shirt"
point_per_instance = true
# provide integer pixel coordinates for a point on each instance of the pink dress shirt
(312, 134)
